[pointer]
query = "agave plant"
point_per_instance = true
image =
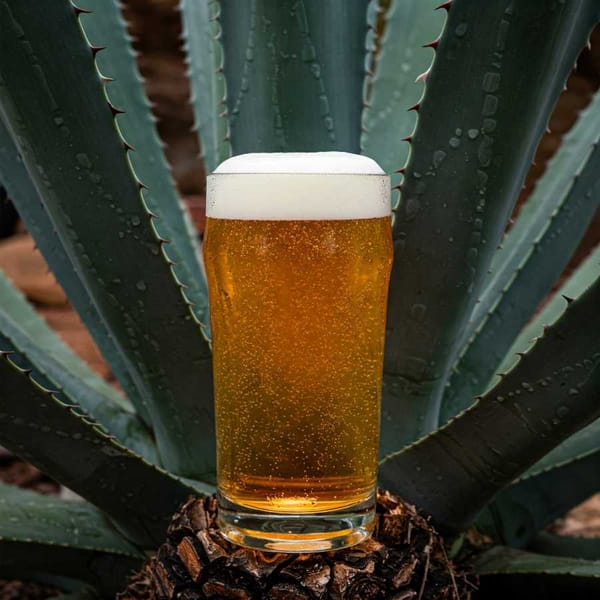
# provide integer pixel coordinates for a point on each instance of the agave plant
(81, 160)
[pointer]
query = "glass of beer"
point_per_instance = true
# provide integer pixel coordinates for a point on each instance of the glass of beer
(298, 255)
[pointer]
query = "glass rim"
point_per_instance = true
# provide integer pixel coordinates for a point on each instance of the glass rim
(287, 173)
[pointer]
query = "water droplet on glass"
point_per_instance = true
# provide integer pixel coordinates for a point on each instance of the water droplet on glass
(473, 133)
(141, 285)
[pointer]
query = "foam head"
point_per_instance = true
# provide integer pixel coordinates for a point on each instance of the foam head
(298, 186)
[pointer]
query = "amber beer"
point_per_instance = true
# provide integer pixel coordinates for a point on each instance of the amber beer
(298, 254)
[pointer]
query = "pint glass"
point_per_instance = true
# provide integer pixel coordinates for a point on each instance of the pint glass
(298, 254)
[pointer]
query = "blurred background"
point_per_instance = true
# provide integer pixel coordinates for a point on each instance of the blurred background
(156, 28)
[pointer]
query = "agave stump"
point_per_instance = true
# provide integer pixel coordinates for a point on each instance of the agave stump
(404, 559)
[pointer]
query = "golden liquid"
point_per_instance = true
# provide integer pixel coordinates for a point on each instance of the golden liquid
(298, 322)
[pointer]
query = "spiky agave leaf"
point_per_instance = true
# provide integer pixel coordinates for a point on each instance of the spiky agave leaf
(204, 57)
(524, 508)
(482, 115)
(15, 178)
(311, 100)
(533, 256)
(566, 545)
(531, 503)
(524, 575)
(22, 330)
(104, 27)
(79, 163)
(63, 441)
(44, 533)
(399, 68)
(549, 395)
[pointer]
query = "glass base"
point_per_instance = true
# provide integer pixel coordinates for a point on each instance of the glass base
(312, 532)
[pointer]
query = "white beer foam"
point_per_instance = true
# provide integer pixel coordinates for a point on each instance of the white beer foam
(298, 186)
(301, 162)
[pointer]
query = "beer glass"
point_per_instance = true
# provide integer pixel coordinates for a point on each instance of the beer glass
(298, 254)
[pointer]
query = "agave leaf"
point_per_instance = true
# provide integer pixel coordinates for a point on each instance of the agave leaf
(563, 545)
(392, 87)
(523, 509)
(517, 574)
(584, 442)
(581, 280)
(22, 330)
(64, 442)
(550, 394)
(484, 110)
(24, 195)
(541, 209)
(587, 439)
(85, 593)
(105, 27)
(204, 52)
(289, 87)
(528, 505)
(533, 256)
(67, 538)
(77, 160)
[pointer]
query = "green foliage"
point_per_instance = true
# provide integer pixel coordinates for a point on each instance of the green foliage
(204, 52)
(528, 575)
(105, 28)
(392, 86)
(290, 88)
(16, 180)
(41, 533)
(543, 400)
(23, 331)
(273, 75)
(481, 117)
(563, 545)
(550, 224)
(531, 503)
(73, 150)
(61, 439)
